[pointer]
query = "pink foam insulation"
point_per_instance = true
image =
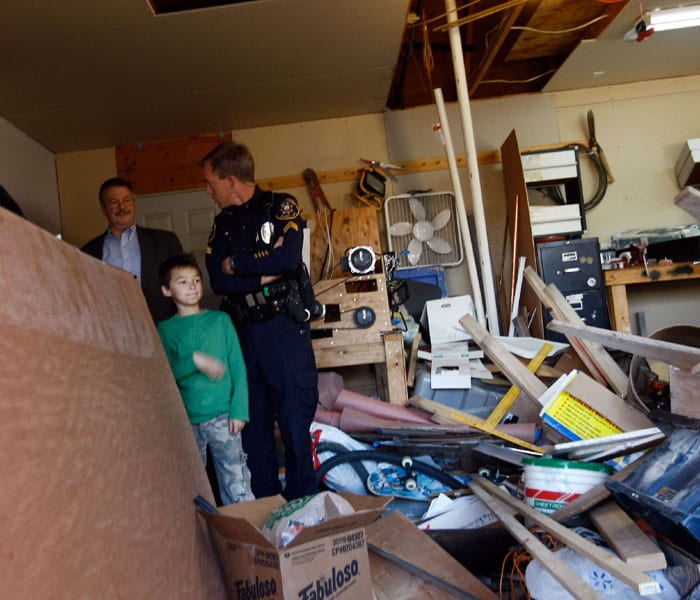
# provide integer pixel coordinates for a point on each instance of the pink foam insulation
(98, 463)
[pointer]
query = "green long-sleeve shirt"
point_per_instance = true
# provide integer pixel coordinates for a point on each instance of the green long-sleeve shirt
(212, 333)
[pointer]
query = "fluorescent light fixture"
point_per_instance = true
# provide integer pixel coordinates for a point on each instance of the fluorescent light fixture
(674, 18)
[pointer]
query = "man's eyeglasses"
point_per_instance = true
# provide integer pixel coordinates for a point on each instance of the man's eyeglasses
(121, 202)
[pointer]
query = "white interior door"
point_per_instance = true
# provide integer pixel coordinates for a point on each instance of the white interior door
(190, 215)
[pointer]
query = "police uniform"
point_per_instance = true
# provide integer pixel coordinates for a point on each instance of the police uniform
(273, 333)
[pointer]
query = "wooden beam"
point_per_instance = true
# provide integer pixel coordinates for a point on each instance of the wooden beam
(596, 358)
(563, 573)
(514, 370)
(632, 576)
(678, 355)
(629, 541)
(447, 415)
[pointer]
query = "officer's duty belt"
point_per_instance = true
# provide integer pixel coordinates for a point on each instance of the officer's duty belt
(258, 306)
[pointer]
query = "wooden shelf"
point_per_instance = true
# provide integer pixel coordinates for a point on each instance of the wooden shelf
(617, 280)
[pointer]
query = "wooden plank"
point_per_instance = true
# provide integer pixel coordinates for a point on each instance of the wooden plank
(511, 395)
(684, 388)
(563, 573)
(540, 289)
(167, 165)
(412, 360)
(531, 387)
(597, 494)
(678, 355)
(392, 582)
(629, 541)
(612, 372)
(395, 364)
(446, 415)
(619, 308)
(356, 354)
(395, 536)
(602, 366)
(637, 275)
(632, 576)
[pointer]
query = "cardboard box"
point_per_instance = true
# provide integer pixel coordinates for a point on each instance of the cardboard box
(577, 407)
(326, 561)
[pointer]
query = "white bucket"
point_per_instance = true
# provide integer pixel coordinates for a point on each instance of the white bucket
(551, 483)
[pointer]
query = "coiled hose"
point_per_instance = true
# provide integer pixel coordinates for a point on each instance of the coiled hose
(354, 456)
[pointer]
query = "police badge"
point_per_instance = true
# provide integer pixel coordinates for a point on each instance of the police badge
(288, 210)
(266, 231)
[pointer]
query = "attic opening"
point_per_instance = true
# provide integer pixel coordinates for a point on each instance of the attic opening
(164, 7)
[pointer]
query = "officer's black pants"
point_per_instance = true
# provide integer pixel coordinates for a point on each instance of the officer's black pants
(283, 385)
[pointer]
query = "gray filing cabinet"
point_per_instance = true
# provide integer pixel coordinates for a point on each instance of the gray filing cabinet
(573, 266)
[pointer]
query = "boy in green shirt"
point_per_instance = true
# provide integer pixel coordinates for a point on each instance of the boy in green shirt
(205, 356)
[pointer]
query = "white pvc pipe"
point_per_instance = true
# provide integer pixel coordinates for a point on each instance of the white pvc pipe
(461, 209)
(473, 170)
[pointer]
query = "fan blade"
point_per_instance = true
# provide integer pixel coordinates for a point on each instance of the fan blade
(441, 219)
(401, 228)
(439, 245)
(415, 249)
(417, 209)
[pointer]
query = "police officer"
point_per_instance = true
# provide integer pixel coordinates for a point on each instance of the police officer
(254, 259)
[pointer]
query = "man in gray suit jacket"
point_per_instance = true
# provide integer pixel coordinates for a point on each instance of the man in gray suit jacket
(139, 250)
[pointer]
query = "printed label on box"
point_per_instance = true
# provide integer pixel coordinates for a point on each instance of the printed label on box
(576, 420)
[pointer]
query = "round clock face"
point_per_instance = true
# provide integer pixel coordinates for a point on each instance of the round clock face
(364, 317)
(361, 260)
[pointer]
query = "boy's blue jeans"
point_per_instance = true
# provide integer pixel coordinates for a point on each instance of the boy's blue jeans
(229, 459)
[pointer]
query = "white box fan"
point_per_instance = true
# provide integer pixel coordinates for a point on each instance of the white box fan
(423, 229)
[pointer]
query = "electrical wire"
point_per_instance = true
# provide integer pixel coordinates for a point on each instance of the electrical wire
(480, 15)
(443, 15)
(554, 193)
(519, 80)
(559, 31)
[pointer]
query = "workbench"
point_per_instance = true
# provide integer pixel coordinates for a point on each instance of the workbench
(617, 280)
(338, 341)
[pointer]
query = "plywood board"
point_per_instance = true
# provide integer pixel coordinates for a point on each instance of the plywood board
(396, 536)
(516, 195)
(346, 229)
(98, 463)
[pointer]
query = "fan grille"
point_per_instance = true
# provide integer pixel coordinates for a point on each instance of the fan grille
(397, 209)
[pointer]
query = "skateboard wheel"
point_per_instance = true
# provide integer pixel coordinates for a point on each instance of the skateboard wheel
(406, 462)
(411, 484)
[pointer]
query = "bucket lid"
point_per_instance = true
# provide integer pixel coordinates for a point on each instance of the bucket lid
(557, 463)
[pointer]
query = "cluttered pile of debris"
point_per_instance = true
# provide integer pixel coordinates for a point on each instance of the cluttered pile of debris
(543, 477)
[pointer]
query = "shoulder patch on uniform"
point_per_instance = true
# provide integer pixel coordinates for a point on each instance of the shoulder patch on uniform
(288, 209)
(212, 233)
(290, 225)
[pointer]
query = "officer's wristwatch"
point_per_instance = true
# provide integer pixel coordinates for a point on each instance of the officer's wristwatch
(231, 263)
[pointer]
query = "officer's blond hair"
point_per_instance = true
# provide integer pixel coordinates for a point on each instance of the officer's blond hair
(231, 158)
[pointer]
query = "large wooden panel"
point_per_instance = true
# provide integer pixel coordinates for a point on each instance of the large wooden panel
(98, 462)
(516, 196)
